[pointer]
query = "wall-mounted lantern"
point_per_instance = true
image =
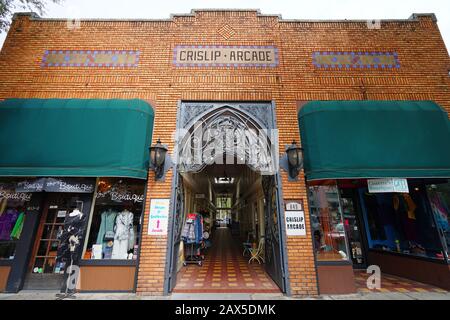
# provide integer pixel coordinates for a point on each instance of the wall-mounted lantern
(292, 161)
(160, 160)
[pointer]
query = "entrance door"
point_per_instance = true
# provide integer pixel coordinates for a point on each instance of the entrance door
(353, 228)
(178, 216)
(43, 270)
(213, 133)
(273, 248)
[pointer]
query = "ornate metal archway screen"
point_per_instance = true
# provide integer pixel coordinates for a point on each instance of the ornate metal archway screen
(217, 133)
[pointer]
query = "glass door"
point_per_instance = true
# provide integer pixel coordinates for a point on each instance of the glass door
(50, 230)
(352, 228)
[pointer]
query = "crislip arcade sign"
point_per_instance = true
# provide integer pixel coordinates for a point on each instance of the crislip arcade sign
(225, 56)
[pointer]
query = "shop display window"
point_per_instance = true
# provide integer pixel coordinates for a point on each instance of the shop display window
(401, 222)
(327, 223)
(12, 218)
(117, 220)
(439, 195)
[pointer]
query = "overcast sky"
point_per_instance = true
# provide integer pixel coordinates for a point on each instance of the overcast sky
(289, 9)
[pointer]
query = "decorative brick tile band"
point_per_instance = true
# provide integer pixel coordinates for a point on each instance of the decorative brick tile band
(356, 60)
(90, 58)
(225, 56)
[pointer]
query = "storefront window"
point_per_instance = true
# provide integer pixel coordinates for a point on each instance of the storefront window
(401, 222)
(117, 220)
(439, 195)
(327, 223)
(12, 217)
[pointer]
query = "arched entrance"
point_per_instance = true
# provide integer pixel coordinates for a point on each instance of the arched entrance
(236, 142)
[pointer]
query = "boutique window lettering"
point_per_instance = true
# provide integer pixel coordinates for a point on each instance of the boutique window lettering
(13, 209)
(116, 221)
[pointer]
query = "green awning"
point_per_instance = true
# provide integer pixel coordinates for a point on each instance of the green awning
(374, 139)
(75, 137)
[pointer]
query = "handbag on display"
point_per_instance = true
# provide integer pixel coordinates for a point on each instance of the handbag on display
(109, 236)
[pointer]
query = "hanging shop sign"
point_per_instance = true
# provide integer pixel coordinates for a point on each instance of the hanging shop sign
(159, 217)
(225, 56)
(294, 216)
(388, 185)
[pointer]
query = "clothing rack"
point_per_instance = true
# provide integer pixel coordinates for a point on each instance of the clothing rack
(192, 236)
(193, 258)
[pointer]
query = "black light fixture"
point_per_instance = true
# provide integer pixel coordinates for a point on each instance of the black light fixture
(295, 159)
(158, 153)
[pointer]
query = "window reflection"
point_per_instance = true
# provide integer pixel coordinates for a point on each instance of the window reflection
(327, 223)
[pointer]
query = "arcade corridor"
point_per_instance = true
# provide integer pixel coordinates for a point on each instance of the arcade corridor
(225, 270)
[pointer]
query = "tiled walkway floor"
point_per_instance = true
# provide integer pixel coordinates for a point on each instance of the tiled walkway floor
(225, 270)
(390, 283)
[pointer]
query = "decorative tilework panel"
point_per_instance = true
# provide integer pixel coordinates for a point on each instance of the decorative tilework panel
(356, 60)
(90, 58)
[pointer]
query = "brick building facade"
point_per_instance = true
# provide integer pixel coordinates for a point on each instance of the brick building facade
(308, 69)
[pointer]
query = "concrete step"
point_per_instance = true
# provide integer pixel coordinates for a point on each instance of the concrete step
(37, 281)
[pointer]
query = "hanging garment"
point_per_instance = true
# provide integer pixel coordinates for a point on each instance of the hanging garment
(440, 210)
(3, 204)
(70, 238)
(7, 221)
(108, 219)
(411, 206)
(188, 233)
(124, 235)
(396, 202)
(17, 230)
(199, 229)
(193, 229)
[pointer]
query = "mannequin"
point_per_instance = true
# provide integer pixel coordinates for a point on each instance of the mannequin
(70, 241)
(124, 235)
(76, 212)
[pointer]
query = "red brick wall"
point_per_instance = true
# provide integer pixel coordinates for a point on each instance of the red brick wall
(423, 75)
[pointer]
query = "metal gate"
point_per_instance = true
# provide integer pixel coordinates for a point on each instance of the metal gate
(175, 234)
(273, 225)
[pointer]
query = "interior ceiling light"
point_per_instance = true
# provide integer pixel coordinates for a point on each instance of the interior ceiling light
(224, 180)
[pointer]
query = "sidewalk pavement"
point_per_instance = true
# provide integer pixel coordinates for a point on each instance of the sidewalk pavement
(51, 295)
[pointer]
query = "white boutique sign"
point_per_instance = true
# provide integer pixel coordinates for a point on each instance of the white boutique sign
(388, 185)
